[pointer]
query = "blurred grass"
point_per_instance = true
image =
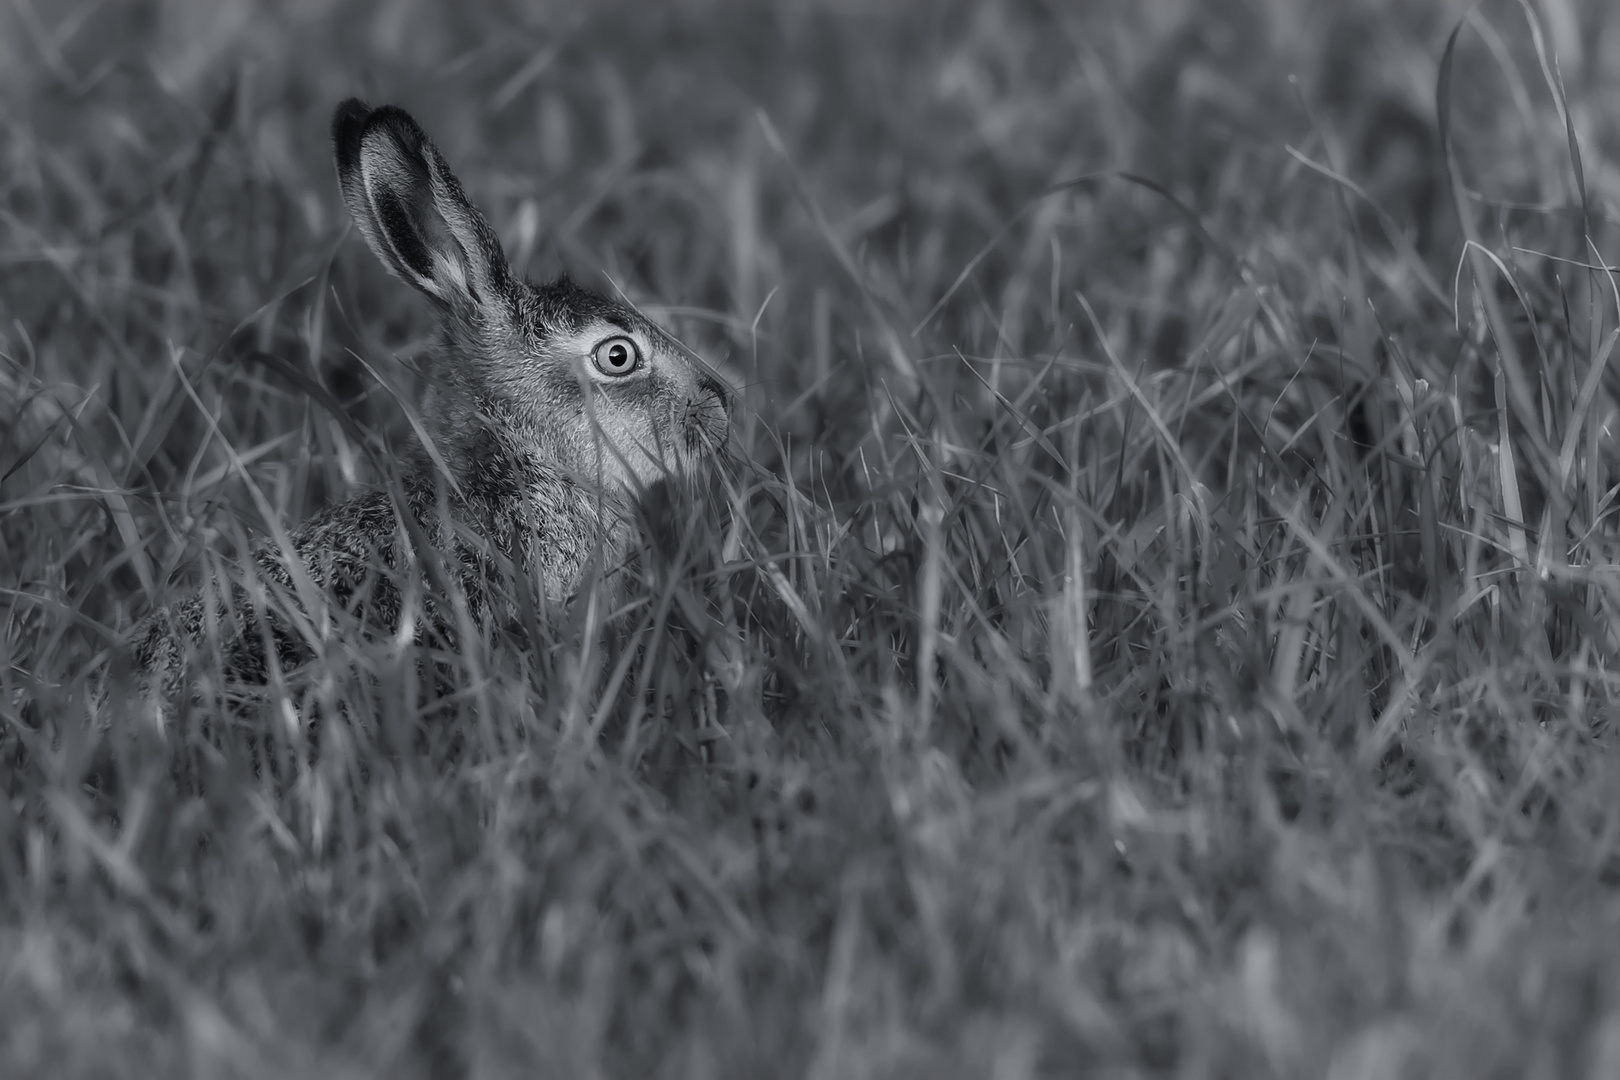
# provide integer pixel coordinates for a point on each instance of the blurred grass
(1167, 626)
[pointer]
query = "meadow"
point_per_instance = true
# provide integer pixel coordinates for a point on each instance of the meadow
(1158, 616)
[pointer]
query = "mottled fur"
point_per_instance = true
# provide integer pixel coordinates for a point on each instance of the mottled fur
(546, 451)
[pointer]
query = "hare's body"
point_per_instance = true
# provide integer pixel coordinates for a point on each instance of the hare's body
(551, 407)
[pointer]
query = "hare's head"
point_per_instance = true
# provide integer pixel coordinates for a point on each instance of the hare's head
(558, 375)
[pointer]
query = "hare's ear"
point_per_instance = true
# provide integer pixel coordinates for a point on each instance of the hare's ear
(411, 209)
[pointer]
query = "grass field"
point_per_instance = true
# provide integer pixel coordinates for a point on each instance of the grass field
(1161, 618)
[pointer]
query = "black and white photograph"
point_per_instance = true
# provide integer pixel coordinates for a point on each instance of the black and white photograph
(810, 538)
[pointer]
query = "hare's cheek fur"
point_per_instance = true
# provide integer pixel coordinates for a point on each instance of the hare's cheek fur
(642, 430)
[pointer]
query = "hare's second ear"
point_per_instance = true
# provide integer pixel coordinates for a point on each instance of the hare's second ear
(411, 209)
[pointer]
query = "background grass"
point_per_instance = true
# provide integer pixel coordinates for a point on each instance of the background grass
(1163, 625)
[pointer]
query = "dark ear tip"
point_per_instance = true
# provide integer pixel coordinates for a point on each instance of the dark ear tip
(398, 123)
(348, 127)
(350, 110)
(354, 120)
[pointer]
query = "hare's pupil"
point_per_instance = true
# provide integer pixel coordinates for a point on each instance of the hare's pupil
(618, 356)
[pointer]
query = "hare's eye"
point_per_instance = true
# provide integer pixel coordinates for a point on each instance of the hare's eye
(617, 356)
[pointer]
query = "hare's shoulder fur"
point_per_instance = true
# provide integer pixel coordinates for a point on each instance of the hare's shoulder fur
(518, 520)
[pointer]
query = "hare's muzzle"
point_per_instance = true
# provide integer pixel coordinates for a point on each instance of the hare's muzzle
(710, 386)
(708, 415)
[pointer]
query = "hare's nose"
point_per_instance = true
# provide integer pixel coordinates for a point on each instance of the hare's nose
(711, 385)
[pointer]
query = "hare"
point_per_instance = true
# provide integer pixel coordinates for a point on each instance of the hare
(551, 409)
